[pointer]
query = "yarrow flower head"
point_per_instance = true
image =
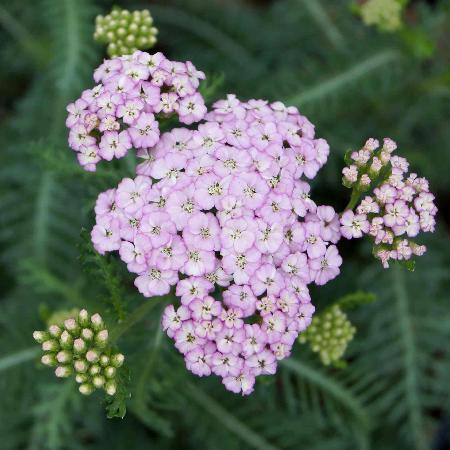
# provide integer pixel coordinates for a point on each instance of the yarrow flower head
(228, 204)
(125, 31)
(121, 112)
(79, 347)
(329, 335)
(400, 207)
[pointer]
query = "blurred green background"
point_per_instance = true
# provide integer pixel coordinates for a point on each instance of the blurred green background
(352, 82)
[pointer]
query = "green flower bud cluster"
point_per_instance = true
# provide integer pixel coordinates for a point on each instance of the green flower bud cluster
(329, 335)
(125, 31)
(385, 14)
(79, 347)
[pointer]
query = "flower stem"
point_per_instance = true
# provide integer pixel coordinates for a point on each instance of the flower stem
(354, 199)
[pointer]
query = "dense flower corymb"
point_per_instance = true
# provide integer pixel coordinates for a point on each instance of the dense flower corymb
(400, 208)
(119, 112)
(229, 207)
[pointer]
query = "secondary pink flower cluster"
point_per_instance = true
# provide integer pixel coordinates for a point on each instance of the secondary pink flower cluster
(399, 209)
(228, 208)
(119, 112)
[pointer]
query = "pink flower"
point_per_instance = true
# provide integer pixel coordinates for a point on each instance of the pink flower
(396, 213)
(385, 194)
(158, 227)
(263, 363)
(296, 264)
(172, 319)
(130, 111)
(171, 255)
(267, 279)
(181, 205)
(226, 364)
(243, 382)
(229, 340)
(192, 288)
(106, 203)
(305, 160)
(199, 262)
(354, 226)
(255, 340)
(199, 360)
(131, 194)
(168, 167)
(304, 316)
(144, 132)
(326, 267)
(209, 191)
(105, 234)
(205, 309)
(231, 318)
(155, 282)
(203, 232)
(114, 144)
(314, 244)
(241, 265)
(133, 253)
(241, 297)
(268, 237)
(186, 339)
(251, 188)
(238, 235)
(192, 109)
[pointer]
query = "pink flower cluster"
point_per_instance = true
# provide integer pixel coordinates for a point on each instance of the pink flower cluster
(228, 206)
(119, 112)
(399, 209)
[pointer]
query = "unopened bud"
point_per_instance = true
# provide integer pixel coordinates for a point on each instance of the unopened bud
(95, 369)
(102, 338)
(79, 345)
(97, 322)
(110, 372)
(81, 378)
(71, 325)
(41, 336)
(63, 371)
(55, 331)
(98, 381)
(64, 356)
(66, 340)
(385, 157)
(83, 318)
(111, 387)
(389, 145)
(87, 334)
(48, 360)
(50, 346)
(104, 360)
(117, 360)
(80, 366)
(92, 356)
(86, 389)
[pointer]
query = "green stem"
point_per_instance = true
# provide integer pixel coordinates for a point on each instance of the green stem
(136, 316)
(354, 199)
(19, 357)
(411, 384)
(228, 420)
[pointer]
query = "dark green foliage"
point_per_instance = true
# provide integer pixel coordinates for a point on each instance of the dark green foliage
(353, 83)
